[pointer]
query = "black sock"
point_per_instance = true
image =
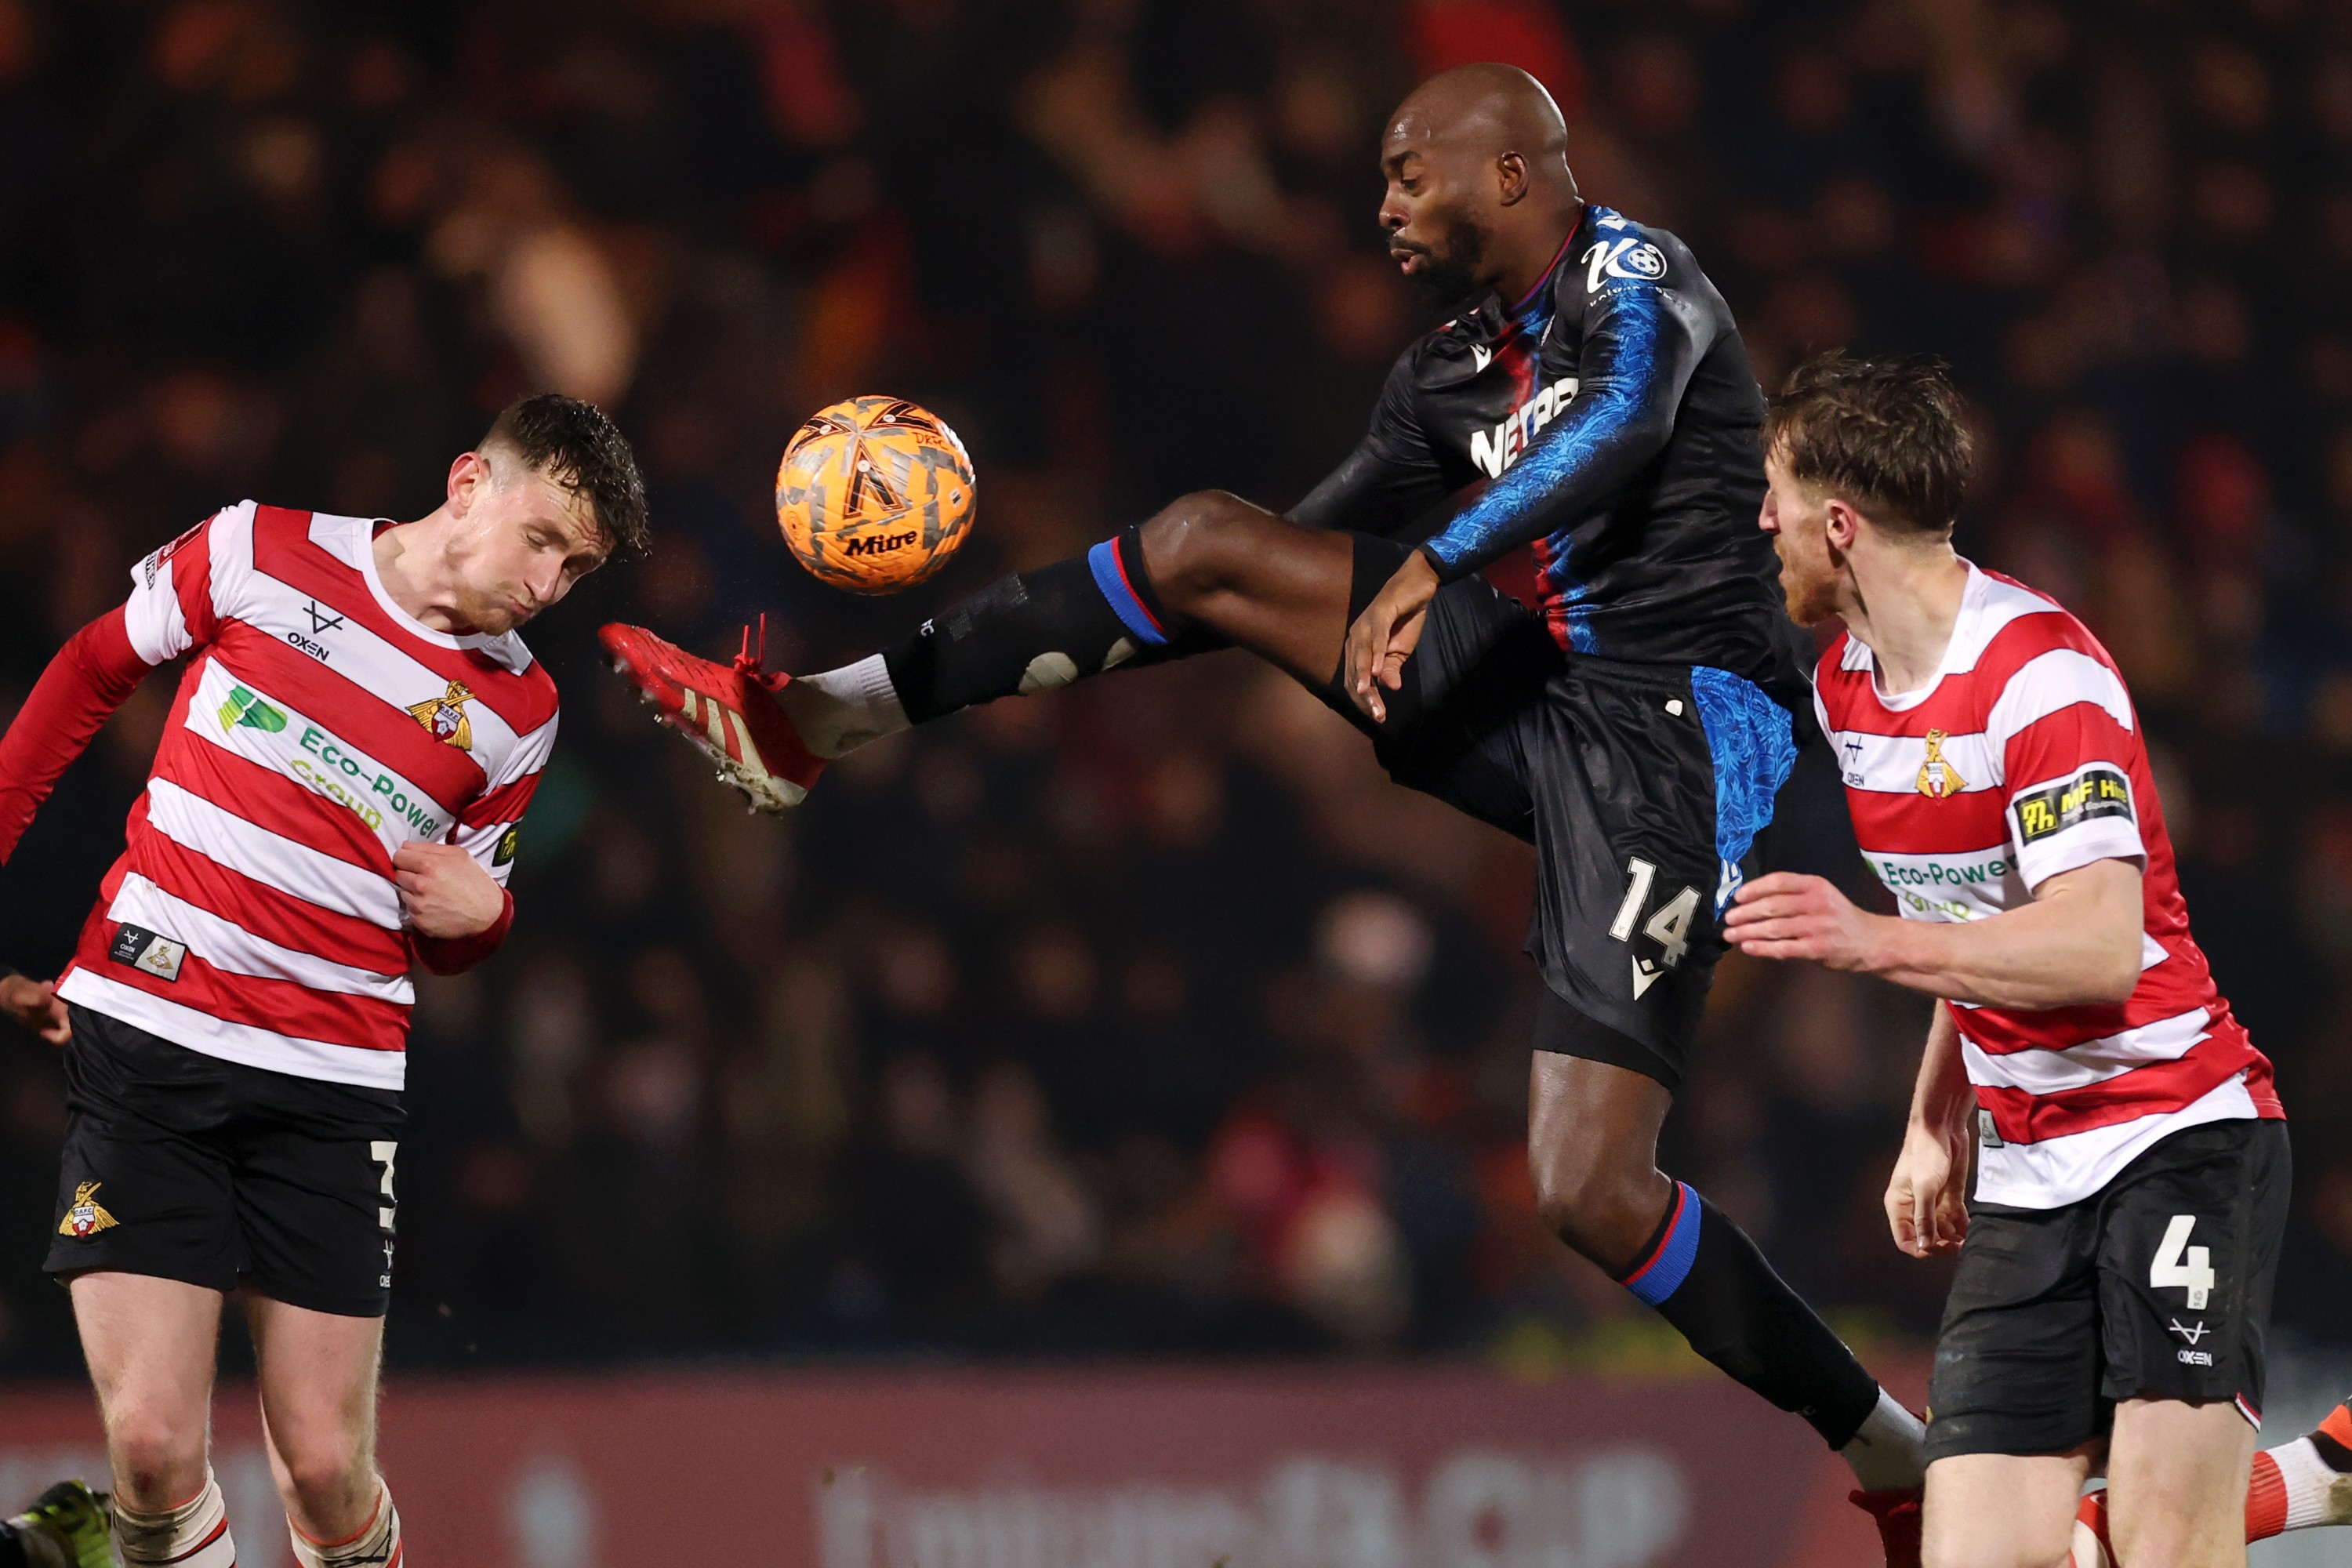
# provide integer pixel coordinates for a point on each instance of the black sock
(1705, 1277)
(1035, 631)
(12, 1550)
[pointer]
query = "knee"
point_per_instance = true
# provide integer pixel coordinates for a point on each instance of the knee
(1198, 544)
(158, 1462)
(327, 1474)
(1603, 1208)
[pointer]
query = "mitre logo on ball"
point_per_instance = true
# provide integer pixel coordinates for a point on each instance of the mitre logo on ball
(875, 494)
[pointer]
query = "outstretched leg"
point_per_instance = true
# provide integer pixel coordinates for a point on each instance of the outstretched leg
(1210, 571)
(1207, 571)
(1593, 1146)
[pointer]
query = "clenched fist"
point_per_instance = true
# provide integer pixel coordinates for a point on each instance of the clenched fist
(445, 892)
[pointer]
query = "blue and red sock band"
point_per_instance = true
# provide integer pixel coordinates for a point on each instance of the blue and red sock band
(1117, 566)
(1667, 1262)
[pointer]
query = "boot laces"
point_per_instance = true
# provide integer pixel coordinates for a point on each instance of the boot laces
(750, 659)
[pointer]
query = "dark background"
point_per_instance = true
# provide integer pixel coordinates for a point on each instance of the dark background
(1144, 1019)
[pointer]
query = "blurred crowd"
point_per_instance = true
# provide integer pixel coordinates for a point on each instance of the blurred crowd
(1143, 1017)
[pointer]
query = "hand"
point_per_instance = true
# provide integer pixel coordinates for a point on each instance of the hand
(1923, 1201)
(1385, 635)
(1788, 916)
(444, 891)
(34, 1004)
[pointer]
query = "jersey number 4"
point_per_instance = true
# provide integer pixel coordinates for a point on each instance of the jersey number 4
(2177, 1263)
(1669, 926)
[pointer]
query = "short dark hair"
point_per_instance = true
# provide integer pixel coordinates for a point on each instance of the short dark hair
(1890, 435)
(576, 445)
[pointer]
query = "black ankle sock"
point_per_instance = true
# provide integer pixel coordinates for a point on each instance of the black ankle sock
(1032, 632)
(1705, 1277)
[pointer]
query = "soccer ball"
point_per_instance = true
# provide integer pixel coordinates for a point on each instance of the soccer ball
(875, 494)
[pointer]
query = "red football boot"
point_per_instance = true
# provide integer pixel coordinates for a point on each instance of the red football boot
(1896, 1514)
(729, 711)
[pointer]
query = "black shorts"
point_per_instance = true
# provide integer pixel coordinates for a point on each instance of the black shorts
(184, 1166)
(1641, 786)
(2055, 1314)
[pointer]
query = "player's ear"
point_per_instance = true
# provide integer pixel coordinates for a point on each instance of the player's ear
(1510, 178)
(1843, 525)
(467, 474)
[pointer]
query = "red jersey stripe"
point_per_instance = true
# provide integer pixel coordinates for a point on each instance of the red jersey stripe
(266, 912)
(260, 1002)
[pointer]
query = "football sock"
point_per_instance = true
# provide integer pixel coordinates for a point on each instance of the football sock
(1030, 632)
(1889, 1454)
(192, 1535)
(1703, 1276)
(2303, 1483)
(377, 1545)
(841, 709)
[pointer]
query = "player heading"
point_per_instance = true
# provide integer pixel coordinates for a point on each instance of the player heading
(576, 444)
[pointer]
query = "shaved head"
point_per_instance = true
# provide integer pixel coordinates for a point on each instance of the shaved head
(1478, 184)
(1487, 111)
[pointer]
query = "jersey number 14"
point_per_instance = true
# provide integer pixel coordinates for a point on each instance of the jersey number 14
(1669, 926)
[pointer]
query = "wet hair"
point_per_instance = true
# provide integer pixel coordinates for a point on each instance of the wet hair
(1889, 435)
(573, 444)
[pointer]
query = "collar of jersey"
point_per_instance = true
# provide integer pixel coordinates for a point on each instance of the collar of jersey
(1495, 321)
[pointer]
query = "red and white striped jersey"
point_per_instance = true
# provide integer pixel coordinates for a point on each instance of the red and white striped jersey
(253, 915)
(2021, 760)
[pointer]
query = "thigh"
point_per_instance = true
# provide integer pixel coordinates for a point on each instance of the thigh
(1650, 784)
(2017, 1368)
(317, 1374)
(149, 1344)
(1456, 730)
(2000, 1508)
(1256, 578)
(316, 1173)
(2189, 1248)
(2177, 1476)
(143, 1182)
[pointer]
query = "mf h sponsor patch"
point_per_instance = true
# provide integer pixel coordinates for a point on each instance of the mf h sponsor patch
(143, 949)
(2096, 792)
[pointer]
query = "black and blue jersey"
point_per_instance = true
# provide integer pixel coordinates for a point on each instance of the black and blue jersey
(1611, 421)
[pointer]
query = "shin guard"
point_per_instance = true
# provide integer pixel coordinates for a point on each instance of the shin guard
(1707, 1277)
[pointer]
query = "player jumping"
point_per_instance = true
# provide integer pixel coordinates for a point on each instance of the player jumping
(1635, 730)
(2132, 1169)
(335, 801)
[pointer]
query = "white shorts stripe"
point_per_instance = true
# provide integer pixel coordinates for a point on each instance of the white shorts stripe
(211, 1036)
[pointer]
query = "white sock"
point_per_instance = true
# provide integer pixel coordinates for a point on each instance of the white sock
(843, 708)
(192, 1535)
(1889, 1454)
(377, 1545)
(2317, 1492)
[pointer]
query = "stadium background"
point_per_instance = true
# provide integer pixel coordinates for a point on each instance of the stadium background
(1145, 1021)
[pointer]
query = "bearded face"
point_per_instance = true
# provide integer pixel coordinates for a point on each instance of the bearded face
(1797, 522)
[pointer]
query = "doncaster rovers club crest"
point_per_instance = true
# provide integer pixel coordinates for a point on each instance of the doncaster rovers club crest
(444, 717)
(86, 1216)
(1939, 778)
